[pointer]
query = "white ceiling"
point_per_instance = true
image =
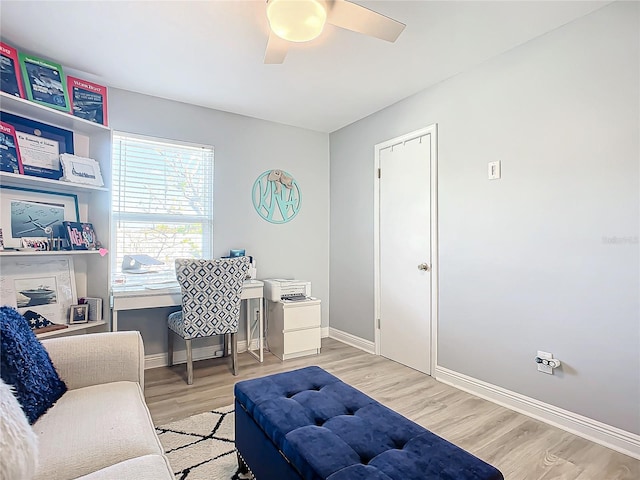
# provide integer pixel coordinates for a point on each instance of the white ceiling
(210, 53)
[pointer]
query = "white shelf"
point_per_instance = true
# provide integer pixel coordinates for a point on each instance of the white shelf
(42, 114)
(71, 328)
(16, 253)
(37, 183)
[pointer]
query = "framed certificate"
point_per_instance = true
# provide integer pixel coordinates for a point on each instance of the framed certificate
(40, 145)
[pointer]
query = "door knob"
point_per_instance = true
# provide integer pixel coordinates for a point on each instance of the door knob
(424, 267)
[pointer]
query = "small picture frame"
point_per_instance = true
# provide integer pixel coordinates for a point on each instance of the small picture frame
(78, 314)
(81, 170)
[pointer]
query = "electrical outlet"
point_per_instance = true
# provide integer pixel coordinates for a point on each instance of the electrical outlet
(545, 368)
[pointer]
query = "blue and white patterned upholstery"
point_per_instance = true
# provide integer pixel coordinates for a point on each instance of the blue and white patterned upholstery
(211, 292)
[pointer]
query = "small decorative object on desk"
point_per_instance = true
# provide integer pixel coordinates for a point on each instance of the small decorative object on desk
(11, 81)
(10, 160)
(81, 170)
(78, 314)
(88, 100)
(73, 232)
(44, 82)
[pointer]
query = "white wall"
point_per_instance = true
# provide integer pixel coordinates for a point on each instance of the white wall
(244, 148)
(547, 258)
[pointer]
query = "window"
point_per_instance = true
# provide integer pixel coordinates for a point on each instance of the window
(162, 194)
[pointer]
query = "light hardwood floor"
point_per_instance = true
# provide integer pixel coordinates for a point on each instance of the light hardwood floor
(521, 447)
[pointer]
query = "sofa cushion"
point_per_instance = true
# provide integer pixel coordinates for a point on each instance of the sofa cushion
(92, 428)
(148, 467)
(18, 443)
(25, 364)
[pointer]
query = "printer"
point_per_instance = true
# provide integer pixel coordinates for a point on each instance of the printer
(277, 289)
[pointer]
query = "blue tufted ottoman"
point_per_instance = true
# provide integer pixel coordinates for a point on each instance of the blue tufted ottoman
(309, 424)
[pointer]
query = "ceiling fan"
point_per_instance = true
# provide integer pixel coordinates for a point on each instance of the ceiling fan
(304, 20)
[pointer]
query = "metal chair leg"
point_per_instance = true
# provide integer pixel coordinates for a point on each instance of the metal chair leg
(234, 353)
(189, 363)
(170, 348)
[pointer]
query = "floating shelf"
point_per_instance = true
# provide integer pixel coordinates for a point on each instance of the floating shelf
(71, 328)
(43, 114)
(16, 253)
(37, 183)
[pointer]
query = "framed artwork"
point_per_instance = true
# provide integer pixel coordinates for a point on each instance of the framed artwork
(25, 212)
(81, 170)
(44, 82)
(78, 314)
(40, 145)
(10, 160)
(46, 285)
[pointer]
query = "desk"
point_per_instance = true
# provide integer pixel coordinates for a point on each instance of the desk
(137, 297)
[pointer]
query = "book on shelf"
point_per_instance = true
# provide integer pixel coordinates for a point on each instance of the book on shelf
(44, 82)
(88, 100)
(80, 235)
(10, 78)
(73, 234)
(10, 160)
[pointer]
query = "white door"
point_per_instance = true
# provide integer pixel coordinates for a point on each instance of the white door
(404, 280)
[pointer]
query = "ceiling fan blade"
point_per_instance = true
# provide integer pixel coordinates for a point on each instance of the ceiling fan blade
(357, 18)
(276, 49)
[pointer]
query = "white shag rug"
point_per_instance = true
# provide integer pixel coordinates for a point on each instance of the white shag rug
(202, 447)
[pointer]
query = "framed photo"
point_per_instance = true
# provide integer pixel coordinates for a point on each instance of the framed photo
(40, 145)
(79, 314)
(25, 212)
(44, 82)
(80, 170)
(10, 160)
(46, 285)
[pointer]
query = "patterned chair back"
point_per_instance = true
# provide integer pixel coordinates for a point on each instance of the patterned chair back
(211, 292)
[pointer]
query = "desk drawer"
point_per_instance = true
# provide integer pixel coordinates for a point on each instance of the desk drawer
(302, 315)
(301, 340)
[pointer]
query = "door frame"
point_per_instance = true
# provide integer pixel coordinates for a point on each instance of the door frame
(433, 131)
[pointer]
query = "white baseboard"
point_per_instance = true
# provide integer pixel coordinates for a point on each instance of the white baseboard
(201, 353)
(324, 332)
(352, 340)
(598, 432)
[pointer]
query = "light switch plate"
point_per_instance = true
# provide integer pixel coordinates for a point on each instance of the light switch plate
(494, 170)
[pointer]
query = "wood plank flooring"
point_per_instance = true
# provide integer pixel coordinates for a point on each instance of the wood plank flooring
(521, 447)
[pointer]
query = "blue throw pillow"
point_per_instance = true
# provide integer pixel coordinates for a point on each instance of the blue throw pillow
(25, 364)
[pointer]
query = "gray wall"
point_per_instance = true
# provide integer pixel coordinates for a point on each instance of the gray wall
(244, 148)
(547, 258)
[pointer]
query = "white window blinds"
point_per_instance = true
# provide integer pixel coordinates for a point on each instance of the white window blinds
(162, 199)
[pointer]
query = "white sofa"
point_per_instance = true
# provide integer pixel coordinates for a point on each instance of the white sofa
(101, 427)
